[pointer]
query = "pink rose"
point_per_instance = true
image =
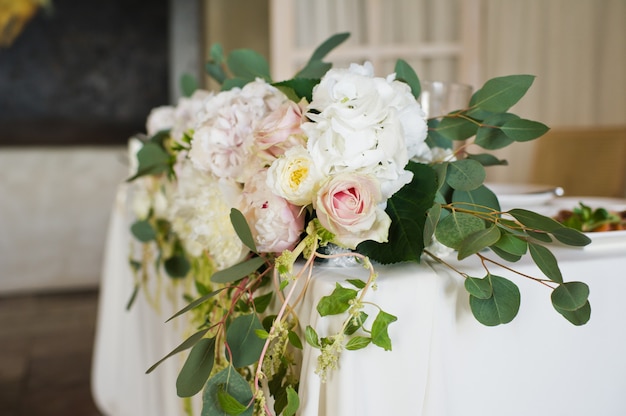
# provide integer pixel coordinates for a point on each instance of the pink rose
(348, 206)
(276, 224)
(280, 129)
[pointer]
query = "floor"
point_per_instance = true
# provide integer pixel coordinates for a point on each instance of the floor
(46, 343)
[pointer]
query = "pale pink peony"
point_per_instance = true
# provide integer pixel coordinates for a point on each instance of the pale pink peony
(280, 129)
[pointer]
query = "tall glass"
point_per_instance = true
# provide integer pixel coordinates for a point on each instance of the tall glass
(439, 98)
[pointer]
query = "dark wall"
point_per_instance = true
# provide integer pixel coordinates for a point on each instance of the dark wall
(87, 73)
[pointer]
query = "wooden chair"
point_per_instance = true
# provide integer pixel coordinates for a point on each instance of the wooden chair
(583, 161)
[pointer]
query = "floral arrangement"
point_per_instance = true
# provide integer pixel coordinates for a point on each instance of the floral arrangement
(244, 190)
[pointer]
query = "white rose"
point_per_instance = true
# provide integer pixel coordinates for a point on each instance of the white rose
(294, 177)
(160, 118)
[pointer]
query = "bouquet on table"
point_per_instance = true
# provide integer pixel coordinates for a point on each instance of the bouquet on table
(240, 191)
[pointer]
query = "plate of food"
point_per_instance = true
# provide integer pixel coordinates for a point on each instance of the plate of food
(601, 219)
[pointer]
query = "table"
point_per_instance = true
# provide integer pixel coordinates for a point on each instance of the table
(443, 361)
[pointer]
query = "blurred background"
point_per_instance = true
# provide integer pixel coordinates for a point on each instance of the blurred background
(77, 79)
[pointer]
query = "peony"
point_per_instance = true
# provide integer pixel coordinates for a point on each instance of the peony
(275, 223)
(365, 124)
(294, 177)
(223, 143)
(280, 129)
(348, 205)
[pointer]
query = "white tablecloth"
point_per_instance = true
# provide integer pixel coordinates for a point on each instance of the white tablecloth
(443, 361)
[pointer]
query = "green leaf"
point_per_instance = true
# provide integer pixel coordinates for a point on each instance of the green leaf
(242, 229)
(465, 174)
(311, 337)
(571, 237)
(188, 343)
(238, 271)
(432, 219)
(314, 70)
(405, 73)
(457, 128)
(479, 287)
(501, 93)
(358, 283)
(214, 66)
(262, 302)
(301, 87)
(380, 335)
(244, 345)
(570, 296)
(355, 323)
(229, 381)
(188, 85)
(293, 402)
(407, 209)
(328, 45)
(522, 130)
(487, 159)
(152, 159)
(512, 244)
(501, 307)
(294, 339)
(545, 260)
(539, 236)
(196, 303)
(229, 404)
(197, 368)
(512, 258)
(231, 83)
(477, 241)
(248, 65)
(358, 343)
(177, 266)
(481, 199)
(434, 137)
(490, 136)
(453, 229)
(579, 316)
(337, 302)
(142, 230)
(535, 221)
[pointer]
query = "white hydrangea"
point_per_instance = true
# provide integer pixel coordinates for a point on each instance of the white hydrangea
(200, 215)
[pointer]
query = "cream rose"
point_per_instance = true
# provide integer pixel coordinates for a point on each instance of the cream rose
(294, 176)
(348, 206)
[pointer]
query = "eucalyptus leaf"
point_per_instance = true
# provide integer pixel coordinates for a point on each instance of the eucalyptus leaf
(238, 271)
(479, 287)
(328, 45)
(177, 266)
(490, 135)
(245, 346)
(143, 231)
(477, 241)
(314, 70)
(435, 138)
(465, 174)
(248, 65)
(230, 381)
(501, 307)
(487, 159)
(196, 303)
(453, 229)
(188, 85)
(539, 236)
(535, 221)
(545, 260)
(522, 130)
(380, 334)
(358, 343)
(457, 128)
(186, 344)
(501, 93)
(578, 317)
(432, 219)
(481, 199)
(242, 228)
(512, 258)
(571, 237)
(405, 73)
(301, 87)
(152, 159)
(570, 296)
(337, 302)
(512, 244)
(197, 368)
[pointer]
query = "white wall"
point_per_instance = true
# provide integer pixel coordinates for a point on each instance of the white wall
(54, 212)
